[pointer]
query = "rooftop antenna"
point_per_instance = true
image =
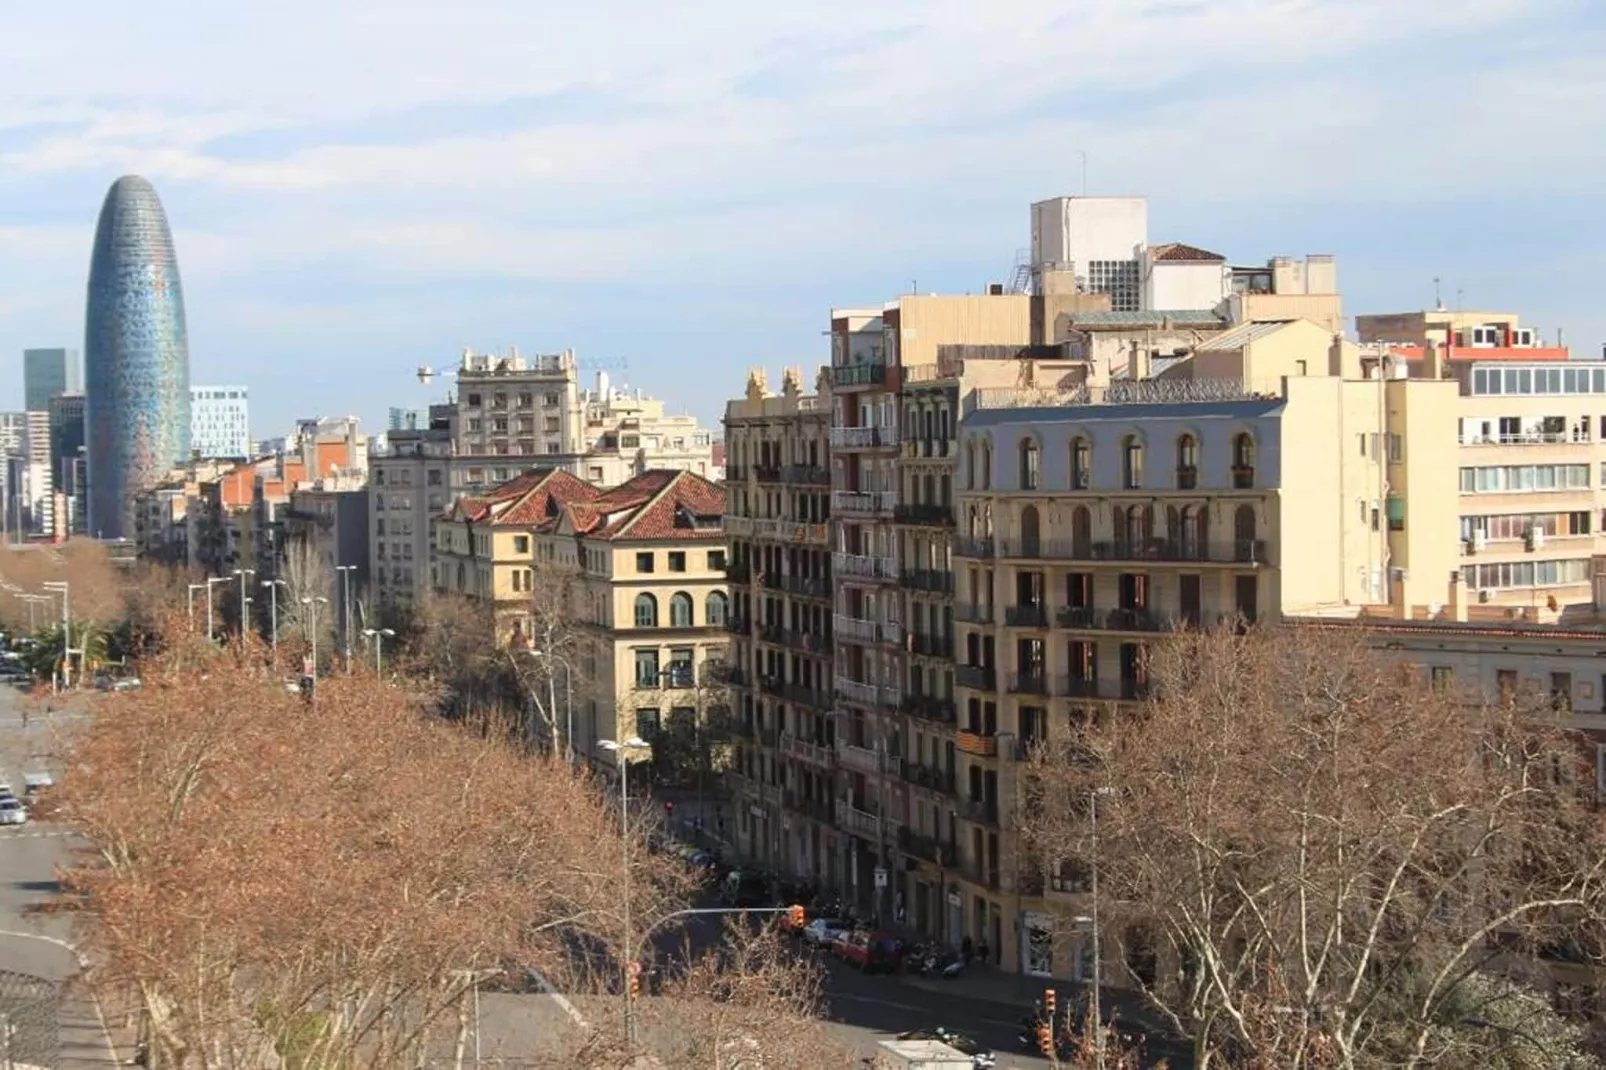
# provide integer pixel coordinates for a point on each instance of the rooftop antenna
(1438, 301)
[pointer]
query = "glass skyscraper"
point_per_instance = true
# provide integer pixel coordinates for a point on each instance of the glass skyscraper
(136, 357)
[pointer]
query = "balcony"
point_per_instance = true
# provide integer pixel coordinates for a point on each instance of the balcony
(738, 526)
(929, 579)
(929, 777)
(819, 809)
(735, 677)
(804, 695)
(931, 646)
(1028, 616)
(926, 515)
(738, 573)
(807, 475)
(863, 438)
(738, 625)
(977, 744)
(970, 546)
(794, 531)
(802, 586)
(930, 708)
(864, 566)
(1243, 477)
(984, 876)
(976, 677)
(805, 642)
(1187, 477)
(972, 613)
(1237, 551)
(927, 849)
(869, 694)
(863, 502)
(804, 751)
(852, 375)
(767, 473)
(861, 823)
(981, 811)
(1091, 687)
(853, 629)
(1028, 683)
(859, 759)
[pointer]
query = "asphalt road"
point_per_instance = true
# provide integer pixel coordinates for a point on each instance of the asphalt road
(41, 945)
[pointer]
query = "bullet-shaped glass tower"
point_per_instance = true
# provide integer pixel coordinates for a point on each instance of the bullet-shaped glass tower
(136, 357)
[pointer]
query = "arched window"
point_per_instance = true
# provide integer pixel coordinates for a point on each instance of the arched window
(1081, 532)
(1134, 528)
(680, 610)
(1081, 463)
(970, 466)
(1030, 464)
(1131, 462)
(1243, 461)
(1187, 462)
(646, 611)
(986, 464)
(1030, 532)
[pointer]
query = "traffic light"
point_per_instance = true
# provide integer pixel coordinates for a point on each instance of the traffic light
(1045, 1040)
(669, 809)
(1048, 1005)
(795, 916)
(635, 980)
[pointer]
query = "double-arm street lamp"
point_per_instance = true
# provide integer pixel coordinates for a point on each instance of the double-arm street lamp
(245, 601)
(379, 635)
(273, 612)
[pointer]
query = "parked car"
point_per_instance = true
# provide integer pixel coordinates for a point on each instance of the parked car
(12, 811)
(871, 952)
(825, 932)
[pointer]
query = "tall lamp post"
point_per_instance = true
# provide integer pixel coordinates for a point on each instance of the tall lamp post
(626, 751)
(273, 613)
(211, 581)
(379, 635)
(345, 610)
(64, 588)
(312, 608)
(245, 601)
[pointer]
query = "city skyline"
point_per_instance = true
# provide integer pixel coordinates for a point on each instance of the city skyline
(356, 229)
(136, 355)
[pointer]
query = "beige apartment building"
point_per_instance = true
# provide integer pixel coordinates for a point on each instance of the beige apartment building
(511, 405)
(484, 545)
(628, 433)
(777, 510)
(648, 561)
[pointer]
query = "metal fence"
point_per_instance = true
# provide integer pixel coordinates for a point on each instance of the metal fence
(30, 1021)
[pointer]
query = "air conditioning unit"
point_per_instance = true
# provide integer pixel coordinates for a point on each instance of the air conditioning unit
(1536, 539)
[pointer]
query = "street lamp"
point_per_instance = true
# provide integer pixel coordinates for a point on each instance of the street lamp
(211, 581)
(631, 746)
(273, 622)
(242, 573)
(345, 610)
(312, 604)
(64, 588)
(378, 635)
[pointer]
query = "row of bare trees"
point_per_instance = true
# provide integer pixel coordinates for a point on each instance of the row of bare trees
(328, 882)
(1307, 856)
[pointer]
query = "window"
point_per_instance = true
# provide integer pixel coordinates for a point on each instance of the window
(679, 671)
(1132, 462)
(646, 723)
(717, 609)
(680, 612)
(647, 667)
(1243, 461)
(473, 400)
(1187, 462)
(644, 561)
(1396, 511)
(716, 560)
(1506, 683)
(1030, 465)
(646, 611)
(521, 544)
(677, 561)
(1442, 677)
(1081, 463)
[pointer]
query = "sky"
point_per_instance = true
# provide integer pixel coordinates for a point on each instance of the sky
(680, 192)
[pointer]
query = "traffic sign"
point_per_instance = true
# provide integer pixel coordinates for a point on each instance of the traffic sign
(880, 877)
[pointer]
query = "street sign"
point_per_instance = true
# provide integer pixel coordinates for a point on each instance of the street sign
(880, 877)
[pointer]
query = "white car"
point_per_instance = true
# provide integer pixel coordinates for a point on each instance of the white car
(824, 932)
(12, 812)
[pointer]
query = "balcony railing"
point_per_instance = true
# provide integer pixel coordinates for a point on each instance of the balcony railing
(789, 530)
(1089, 687)
(971, 546)
(808, 642)
(804, 751)
(1126, 619)
(804, 695)
(860, 823)
(976, 677)
(927, 848)
(802, 586)
(858, 374)
(738, 573)
(869, 694)
(929, 579)
(975, 743)
(860, 759)
(1243, 477)
(738, 625)
(930, 708)
(810, 475)
(985, 876)
(863, 438)
(853, 628)
(819, 809)
(983, 811)
(864, 566)
(929, 777)
(1235, 551)
(863, 502)
(1028, 616)
(1028, 683)
(931, 646)
(767, 473)
(925, 514)
(973, 613)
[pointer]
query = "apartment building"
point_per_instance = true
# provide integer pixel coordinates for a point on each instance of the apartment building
(484, 544)
(327, 521)
(516, 406)
(779, 665)
(649, 594)
(409, 484)
(628, 433)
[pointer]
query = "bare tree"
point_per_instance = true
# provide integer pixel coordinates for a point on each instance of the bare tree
(308, 598)
(1306, 855)
(547, 651)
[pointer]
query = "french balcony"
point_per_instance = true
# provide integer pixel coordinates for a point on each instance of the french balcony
(804, 695)
(1125, 690)
(861, 823)
(863, 438)
(863, 502)
(929, 777)
(983, 876)
(854, 629)
(856, 375)
(973, 613)
(931, 646)
(864, 566)
(925, 515)
(972, 546)
(859, 759)
(804, 751)
(981, 811)
(930, 580)
(1028, 683)
(869, 694)
(1027, 616)
(927, 849)
(976, 677)
(1243, 477)
(930, 708)
(977, 744)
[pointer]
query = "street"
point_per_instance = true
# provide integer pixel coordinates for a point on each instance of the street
(40, 944)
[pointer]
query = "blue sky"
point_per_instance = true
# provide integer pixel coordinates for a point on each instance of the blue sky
(363, 187)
